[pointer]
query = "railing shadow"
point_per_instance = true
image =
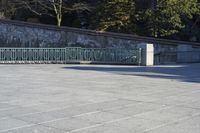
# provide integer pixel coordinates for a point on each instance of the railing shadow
(183, 73)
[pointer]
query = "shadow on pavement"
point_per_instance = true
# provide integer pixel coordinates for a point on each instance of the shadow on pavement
(185, 73)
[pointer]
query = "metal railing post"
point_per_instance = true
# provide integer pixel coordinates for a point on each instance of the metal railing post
(139, 56)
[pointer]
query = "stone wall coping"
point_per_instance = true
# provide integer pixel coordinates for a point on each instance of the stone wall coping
(100, 33)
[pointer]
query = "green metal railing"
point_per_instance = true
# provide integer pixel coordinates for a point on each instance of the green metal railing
(70, 55)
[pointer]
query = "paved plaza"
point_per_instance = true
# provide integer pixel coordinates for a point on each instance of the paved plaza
(99, 99)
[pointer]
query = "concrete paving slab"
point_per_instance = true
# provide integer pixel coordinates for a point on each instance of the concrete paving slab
(169, 114)
(17, 111)
(191, 125)
(5, 106)
(99, 98)
(35, 129)
(11, 123)
(100, 117)
(69, 124)
(136, 109)
(126, 125)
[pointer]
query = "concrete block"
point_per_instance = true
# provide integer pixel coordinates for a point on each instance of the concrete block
(147, 54)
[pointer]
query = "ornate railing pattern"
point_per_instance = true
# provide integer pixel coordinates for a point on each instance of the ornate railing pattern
(70, 55)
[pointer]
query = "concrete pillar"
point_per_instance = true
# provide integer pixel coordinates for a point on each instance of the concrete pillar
(147, 54)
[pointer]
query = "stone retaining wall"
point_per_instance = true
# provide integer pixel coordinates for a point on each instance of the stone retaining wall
(22, 34)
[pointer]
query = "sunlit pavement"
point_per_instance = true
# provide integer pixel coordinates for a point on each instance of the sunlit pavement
(99, 99)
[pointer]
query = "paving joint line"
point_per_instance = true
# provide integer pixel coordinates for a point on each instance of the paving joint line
(171, 123)
(56, 109)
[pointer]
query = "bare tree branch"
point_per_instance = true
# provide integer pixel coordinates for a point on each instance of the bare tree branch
(55, 8)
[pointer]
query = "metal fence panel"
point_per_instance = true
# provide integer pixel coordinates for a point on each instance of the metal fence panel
(70, 55)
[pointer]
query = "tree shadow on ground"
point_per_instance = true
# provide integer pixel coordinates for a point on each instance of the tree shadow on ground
(184, 73)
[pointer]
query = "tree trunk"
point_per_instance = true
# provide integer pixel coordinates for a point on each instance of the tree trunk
(59, 21)
(59, 13)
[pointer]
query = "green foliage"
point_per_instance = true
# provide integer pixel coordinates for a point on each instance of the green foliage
(143, 18)
(116, 15)
(166, 19)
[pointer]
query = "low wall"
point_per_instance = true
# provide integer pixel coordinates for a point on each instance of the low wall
(22, 34)
(16, 33)
(188, 54)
